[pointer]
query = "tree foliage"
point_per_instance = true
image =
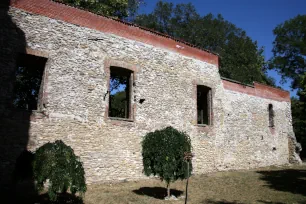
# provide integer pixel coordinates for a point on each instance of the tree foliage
(289, 60)
(302, 90)
(240, 57)
(118, 104)
(298, 107)
(289, 49)
(119, 93)
(114, 8)
(299, 122)
(163, 154)
(57, 163)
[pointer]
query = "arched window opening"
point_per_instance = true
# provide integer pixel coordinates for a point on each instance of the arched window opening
(271, 115)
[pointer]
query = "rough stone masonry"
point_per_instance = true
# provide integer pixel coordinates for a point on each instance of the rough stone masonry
(80, 48)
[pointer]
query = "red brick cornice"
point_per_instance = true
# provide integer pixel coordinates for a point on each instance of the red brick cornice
(86, 19)
(259, 90)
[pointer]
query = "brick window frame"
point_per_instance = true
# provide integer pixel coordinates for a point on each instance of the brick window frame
(204, 127)
(113, 63)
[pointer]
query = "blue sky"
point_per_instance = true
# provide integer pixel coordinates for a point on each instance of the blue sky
(257, 18)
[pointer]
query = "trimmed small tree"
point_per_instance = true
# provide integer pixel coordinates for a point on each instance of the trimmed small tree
(163, 155)
(57, 163)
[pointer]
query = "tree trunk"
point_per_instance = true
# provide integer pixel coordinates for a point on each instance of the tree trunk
(168, 190)
(187, 182)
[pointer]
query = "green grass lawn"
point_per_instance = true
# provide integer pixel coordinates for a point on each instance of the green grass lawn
(273, 185)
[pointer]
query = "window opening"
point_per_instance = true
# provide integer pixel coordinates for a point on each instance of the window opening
(28, 78)
(120, 93)
(271, 115)
(204, 104)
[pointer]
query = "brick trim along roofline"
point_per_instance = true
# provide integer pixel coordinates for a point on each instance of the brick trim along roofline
(104, 24)
(259, 90)
(83, 18)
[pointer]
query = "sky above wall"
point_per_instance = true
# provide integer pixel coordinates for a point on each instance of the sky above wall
(257, 17)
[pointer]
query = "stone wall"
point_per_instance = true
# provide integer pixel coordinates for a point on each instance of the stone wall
(74, 104)
(248, 141)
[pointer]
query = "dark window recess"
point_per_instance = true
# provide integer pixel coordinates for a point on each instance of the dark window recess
(204, 104)
(120, 93)
(271, 115)
(28, 80)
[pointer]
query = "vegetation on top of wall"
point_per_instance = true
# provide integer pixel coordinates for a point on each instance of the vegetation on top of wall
(113, 8)
(289, 50)
(163, 155)
(240, 57)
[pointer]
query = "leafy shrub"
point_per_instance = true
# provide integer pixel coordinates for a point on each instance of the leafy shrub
(163, 155)
(57, 163)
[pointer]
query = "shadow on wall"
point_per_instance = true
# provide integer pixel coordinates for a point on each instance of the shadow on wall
(14, 124)
(289, 180)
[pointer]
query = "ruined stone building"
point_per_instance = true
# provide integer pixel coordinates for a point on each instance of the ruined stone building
(162, 82)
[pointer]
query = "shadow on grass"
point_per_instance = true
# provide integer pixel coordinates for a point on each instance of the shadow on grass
(157, 192)
(269, 202)
(289, 180)
(24, 194)
(210, 201)
(44, 199)
(62, 199)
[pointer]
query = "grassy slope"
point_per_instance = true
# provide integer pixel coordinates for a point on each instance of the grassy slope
(274, 185)
(267, 185)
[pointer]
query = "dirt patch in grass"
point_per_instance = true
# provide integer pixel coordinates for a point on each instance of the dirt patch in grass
(274, 185)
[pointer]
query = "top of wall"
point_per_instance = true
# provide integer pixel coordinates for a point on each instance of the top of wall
(83, 18)
(259, 90)
(104, 24)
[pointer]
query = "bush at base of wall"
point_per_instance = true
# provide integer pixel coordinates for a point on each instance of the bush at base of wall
(163, 155)
(57, 163)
